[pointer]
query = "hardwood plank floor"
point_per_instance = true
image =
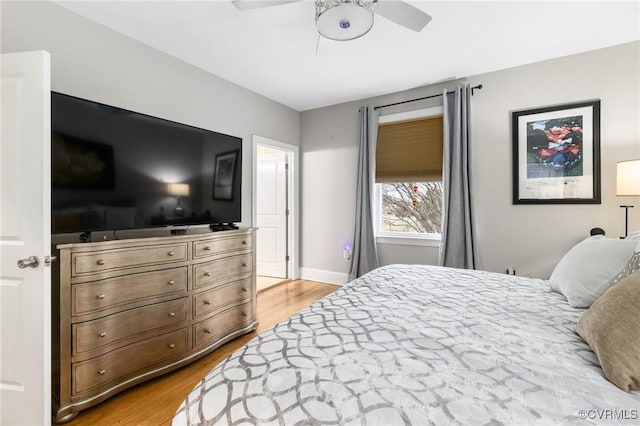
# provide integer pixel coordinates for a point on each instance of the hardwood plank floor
(156, 401)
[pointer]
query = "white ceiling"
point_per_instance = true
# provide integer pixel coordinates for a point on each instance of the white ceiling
(272, 51)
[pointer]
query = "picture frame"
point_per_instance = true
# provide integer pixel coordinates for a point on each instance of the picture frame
(224, 175)
(556, 154)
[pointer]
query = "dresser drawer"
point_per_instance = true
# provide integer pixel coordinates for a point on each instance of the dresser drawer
(107, 260)
(221, 297)
(218, 326)
(222, 271)
(221, 245)
(109, 294)
(123, 363)
(123, 327)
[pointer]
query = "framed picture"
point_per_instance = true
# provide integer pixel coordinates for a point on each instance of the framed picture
(223, 176)
(556, 154)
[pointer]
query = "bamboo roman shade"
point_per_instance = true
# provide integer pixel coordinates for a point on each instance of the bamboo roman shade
(410, 150)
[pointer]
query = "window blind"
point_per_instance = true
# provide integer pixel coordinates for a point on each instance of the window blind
(410, 150)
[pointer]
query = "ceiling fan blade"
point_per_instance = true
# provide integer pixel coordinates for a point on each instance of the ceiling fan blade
(403, 13)
(256, 4)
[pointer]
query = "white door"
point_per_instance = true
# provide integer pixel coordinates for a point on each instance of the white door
(25, 231)
(271, 207)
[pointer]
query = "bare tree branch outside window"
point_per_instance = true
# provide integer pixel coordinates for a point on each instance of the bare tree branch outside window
(399, 214)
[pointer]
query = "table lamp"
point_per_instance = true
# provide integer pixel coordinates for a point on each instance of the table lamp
(628, 184)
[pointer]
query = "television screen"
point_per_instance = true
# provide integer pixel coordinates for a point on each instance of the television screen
(116, 169)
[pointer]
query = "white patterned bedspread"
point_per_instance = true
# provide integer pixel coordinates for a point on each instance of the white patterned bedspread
(417, 345)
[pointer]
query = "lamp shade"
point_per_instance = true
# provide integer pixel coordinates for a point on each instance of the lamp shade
(344, 19)
(628, 177)
(178, 189)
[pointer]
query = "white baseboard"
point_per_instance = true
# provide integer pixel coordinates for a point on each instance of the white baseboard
(320, 275)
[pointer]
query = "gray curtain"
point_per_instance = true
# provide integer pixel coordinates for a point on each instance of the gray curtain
(457, 247)
(365, 252)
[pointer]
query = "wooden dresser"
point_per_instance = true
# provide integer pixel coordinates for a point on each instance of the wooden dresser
(126, 311)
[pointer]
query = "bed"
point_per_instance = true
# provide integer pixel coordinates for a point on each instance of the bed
(417, 345)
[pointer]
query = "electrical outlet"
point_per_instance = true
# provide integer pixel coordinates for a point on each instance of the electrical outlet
(511, 270)
(346, 253)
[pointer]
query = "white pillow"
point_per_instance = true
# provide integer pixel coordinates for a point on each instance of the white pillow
(590, 268)
(633, 236)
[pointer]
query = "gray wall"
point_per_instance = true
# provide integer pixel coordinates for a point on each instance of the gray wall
(530, 238)
(96, 63)
(533, 238)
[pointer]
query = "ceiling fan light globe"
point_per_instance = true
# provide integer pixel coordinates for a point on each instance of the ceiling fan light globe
(344, 20)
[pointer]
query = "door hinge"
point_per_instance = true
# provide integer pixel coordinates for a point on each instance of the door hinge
(286, 212)
(286, 258)
(286, 166)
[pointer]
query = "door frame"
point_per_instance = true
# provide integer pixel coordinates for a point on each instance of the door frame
(293, 198)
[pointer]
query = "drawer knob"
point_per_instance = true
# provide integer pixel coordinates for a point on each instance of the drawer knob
(244, 242)
(171, 345)
(102, 371)
(244, 289)
(206, 302)
(206, 330)
(244, 265)
(244, 314)
(206, 248)
(103, 334)
(172, 314)
(207, 274)
(172, 282)
(100, 262)
(171, 253)
(100, 296)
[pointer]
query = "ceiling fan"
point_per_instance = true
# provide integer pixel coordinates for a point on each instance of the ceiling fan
(349, 19)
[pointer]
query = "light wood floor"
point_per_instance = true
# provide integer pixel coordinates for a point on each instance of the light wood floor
(263, 282)
(155, 402)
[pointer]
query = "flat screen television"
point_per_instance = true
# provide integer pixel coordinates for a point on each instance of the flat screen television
(114, 169)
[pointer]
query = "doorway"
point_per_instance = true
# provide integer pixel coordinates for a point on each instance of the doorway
(275, 181)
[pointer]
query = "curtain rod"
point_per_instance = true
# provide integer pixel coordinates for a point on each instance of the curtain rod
(478, 87)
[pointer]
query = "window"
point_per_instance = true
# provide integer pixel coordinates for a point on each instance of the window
(414, 208)
(409, 175)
